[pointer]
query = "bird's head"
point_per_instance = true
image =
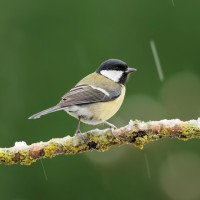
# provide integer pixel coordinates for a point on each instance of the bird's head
(115, 70)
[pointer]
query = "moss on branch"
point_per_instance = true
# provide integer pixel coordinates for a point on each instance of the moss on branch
(137, 133)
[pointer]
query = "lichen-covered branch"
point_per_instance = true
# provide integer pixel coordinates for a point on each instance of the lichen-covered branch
(136, 132)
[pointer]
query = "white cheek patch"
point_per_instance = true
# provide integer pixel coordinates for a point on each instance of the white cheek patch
(112, 74)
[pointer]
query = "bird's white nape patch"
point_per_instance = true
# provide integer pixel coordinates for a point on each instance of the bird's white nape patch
(112, 74)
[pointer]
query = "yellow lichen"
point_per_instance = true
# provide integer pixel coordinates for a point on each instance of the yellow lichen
(139, 142)
(152, 136)
(74, 149)
(165, 133)
(1, 155)
(50, 149)
(25, 158)
(189, 131)
(7, 157)
(103, 140)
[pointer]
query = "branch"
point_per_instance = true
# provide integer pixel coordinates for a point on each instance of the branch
(138, 133)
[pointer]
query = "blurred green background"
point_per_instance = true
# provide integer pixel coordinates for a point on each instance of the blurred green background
(46, 47)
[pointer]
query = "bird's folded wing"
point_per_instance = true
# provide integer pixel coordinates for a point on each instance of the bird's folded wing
(83, 94)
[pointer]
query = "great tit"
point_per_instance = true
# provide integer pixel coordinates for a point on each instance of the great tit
(97, 97)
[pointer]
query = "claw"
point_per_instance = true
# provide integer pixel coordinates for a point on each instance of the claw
(112, 126)
(80, 135)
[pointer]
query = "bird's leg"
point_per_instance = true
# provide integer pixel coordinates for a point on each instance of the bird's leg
(111, 125)
(78, 132)
(78, 127)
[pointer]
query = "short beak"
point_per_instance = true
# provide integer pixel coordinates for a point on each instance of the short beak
(129, 70)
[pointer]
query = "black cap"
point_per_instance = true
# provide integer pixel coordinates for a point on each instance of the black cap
(112, 64)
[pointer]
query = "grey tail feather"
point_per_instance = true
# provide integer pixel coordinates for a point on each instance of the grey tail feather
(44, 112)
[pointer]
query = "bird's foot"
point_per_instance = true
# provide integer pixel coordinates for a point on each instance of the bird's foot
(112, 126)
(79, 134)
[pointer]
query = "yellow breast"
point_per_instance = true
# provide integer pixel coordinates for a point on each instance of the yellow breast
(105, 110)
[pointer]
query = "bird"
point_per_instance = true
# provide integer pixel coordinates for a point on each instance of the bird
(97, 97)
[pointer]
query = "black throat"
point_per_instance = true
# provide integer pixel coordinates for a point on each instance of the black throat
(123, 78)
